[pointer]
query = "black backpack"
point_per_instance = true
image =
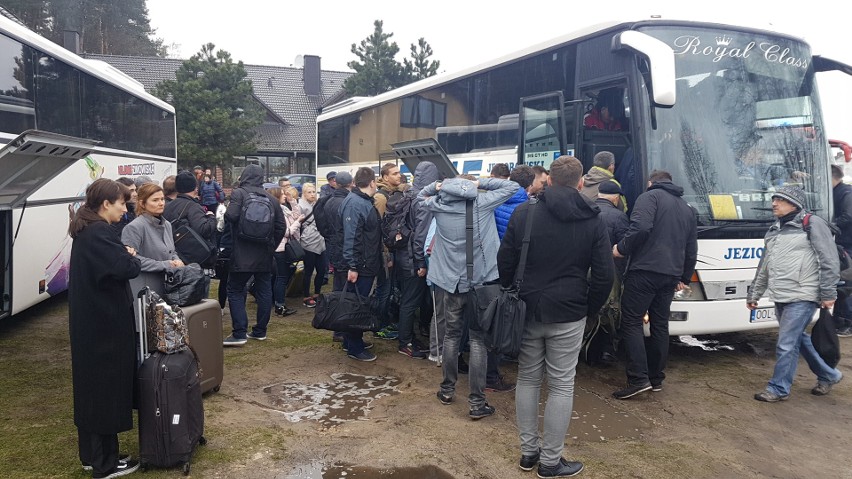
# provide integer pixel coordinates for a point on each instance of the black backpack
(845, 260)
(190, 246)
(256, 218)
(320, 218)
(397, 224)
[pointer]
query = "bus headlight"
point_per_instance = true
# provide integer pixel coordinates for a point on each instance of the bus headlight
(692, 292)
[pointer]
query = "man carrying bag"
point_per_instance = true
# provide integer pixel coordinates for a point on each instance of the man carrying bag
(562, 287)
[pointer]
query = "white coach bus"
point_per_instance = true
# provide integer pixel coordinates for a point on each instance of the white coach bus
(732, 112)
(64, 122)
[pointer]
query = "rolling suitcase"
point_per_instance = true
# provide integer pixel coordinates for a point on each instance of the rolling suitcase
(204, 322)
(171, 413)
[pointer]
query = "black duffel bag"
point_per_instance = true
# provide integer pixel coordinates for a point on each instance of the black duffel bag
(185, 286)
(345, 311)
(824, 338)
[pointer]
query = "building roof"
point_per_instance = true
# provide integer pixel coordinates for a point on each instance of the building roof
(279, 89)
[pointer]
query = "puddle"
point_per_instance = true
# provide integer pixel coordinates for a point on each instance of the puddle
(348, 398)
(345, 471)
(705, 343)
(594, 419)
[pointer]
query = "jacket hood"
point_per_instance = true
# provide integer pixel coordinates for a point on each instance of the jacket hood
(252, 176)
(568, 204)
(668, 187)
(426, 173)
(597, 175)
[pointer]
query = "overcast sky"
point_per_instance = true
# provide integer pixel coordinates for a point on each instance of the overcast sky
(463, 33)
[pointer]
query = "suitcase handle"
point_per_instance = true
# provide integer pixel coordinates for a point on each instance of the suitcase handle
(141, 323)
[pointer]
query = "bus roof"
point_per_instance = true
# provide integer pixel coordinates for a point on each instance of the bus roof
(361, 103)
(97, 69)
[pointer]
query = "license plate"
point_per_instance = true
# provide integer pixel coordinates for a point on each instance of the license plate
(761, 315)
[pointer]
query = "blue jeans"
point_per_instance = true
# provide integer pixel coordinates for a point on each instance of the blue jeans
(354, 342)
(237, 302)
(551, 348)
(283, 274)
(455, 311)
(793, 319)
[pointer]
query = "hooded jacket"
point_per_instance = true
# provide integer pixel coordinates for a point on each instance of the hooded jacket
(592, 183)
(334, 243)
(409, 260)
(663, 233)
(504, 211)
(362, 234)
(795, 267)
(385, 194)
(251, 256)
(560, 284)
(448, 263)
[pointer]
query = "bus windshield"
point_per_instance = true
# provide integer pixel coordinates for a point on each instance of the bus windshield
(746, 122)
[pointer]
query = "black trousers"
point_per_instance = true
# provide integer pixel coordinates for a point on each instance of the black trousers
(645, 291)
(412, 289)
(98, 450)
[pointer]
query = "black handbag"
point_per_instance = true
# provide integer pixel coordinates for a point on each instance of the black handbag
(293, 251)
(190, 246)
(185, 286)
(501, 315)
(824, 338)
(345, 311)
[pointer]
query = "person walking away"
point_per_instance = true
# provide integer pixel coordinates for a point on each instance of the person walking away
(561, 288)
(362, 248)
(150, 234)
(447, 201)
(799, 270)
(102, 329)
(210, 193)
(842, 194)
(284, 269)
(257, 227)
(409, 261)
(313, 243)
(662, 246)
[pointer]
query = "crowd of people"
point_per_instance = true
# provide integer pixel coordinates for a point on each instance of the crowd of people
(448, 235)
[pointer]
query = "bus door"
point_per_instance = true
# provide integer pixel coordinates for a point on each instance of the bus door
(542, 132)
(26, 164)
(606, 123)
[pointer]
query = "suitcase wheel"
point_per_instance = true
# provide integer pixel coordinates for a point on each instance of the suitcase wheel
(202, 441)
(186, 469)
(143, 466)
(216, 389)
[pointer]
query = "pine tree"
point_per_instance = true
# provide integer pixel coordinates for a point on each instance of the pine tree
(420, 67)
(377, 71)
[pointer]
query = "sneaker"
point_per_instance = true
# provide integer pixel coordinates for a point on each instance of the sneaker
(483, 411)
(121, 458)
(279, 310)
(251, 335)
(367, 345)
(445, 399)
(529, 461)
(500, 386)
(844, 332)
(122, 469)
(822, 388)
(364, 355)
(412, 352)
(562, 468)
(386, 333)
(232, 341)
(628, 393)
(656, 387)
(310, 303)
(768, 396)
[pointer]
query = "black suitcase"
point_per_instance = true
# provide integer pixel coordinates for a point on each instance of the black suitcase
(171, 413)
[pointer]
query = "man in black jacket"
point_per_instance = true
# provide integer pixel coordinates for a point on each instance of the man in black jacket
(662, 247)
(186, 206)
(842, 194)
(334, 240)
(362, 248)
(561, 287)
(251, 258)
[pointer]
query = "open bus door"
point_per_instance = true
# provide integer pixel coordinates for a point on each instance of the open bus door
(413, 152)
(27, 163)
(542, 132)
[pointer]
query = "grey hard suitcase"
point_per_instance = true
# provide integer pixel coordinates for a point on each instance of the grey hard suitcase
(204, 322)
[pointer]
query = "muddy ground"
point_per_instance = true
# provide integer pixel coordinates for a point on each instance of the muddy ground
(265, 422)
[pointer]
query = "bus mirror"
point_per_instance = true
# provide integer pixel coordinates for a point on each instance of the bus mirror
(660, 60)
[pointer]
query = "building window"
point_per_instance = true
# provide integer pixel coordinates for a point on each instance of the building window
(419, 112)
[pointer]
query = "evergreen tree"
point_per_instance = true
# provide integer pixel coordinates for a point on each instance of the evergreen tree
(377, 70)
(215, 109)
(420, 67)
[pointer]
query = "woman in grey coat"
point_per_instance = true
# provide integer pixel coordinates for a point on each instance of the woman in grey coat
(313, 244)
(151, 236)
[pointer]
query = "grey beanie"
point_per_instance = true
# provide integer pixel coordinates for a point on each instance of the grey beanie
(793, 194)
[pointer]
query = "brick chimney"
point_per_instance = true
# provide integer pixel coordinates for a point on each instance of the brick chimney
(312, 75)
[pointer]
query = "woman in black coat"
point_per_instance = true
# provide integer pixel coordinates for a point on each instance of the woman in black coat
(101, 323)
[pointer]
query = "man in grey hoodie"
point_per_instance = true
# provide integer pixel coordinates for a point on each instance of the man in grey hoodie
(800, 270)
(448, 272)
